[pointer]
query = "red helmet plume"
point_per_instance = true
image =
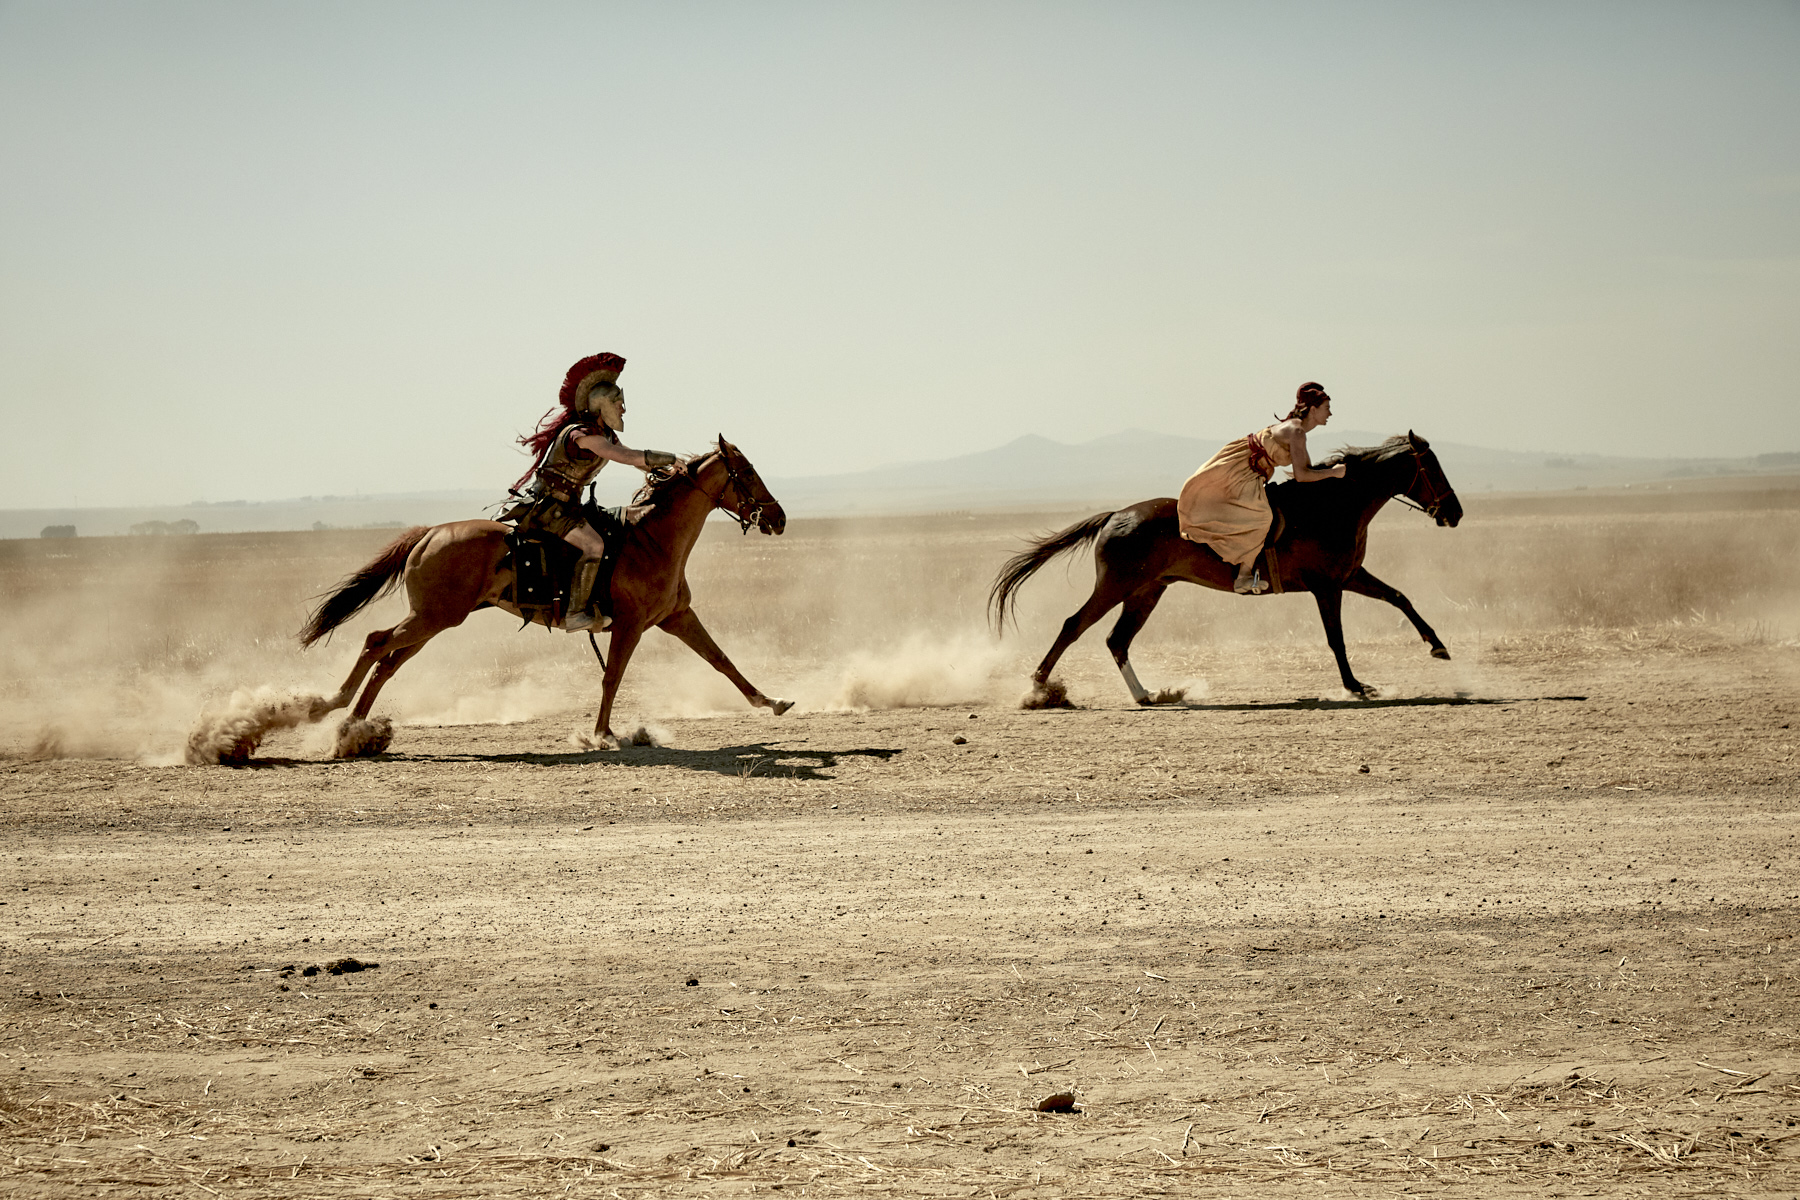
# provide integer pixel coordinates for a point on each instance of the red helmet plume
(595, 368)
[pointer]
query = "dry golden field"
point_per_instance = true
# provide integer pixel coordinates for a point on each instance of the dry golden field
(1523, 926)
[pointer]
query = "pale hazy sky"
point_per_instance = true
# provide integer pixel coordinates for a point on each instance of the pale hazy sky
(261, 250)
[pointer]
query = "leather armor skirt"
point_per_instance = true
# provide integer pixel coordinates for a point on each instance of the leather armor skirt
(547, 514)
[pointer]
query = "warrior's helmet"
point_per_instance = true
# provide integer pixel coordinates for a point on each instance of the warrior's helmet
(594, 373)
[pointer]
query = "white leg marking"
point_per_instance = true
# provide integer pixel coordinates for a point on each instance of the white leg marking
(1138, 692)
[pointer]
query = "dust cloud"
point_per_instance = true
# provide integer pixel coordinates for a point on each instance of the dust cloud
(362, 737)
(120, 648)
(233, 733)
(922, 672)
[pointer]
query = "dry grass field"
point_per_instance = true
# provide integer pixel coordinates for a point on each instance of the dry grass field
(1525, 925)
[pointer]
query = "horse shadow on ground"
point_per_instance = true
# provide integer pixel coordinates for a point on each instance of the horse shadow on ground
(754, 760)
(1307, 704)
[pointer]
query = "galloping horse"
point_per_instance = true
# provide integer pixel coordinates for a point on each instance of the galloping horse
(1138, 553)
(454, 569)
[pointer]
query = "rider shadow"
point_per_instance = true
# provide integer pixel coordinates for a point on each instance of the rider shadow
(757, 760)
(1308, 704)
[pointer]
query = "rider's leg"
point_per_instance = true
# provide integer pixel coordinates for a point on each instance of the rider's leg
(586, 539)
(1247, 579)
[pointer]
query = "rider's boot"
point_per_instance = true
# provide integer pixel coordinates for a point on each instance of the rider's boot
(581, 594)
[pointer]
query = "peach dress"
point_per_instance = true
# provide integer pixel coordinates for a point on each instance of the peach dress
(1223, 504)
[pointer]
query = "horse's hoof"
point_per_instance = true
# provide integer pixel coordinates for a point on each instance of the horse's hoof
(1165, 696)
(1049, 694)
(1440, 652)
(593, 741)
(778, 706)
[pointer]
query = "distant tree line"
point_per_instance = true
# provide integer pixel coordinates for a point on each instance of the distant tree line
(58, 531)
(163, 528)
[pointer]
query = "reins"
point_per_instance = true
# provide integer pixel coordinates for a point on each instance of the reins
(751, 515)
(733, 479)
(1430, 508)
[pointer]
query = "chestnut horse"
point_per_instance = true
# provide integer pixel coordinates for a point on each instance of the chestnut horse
(1138, 553)
(454, 569)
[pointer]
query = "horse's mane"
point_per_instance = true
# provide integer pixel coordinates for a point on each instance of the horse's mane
(660, 481)
(1400, 443)
(1327, 495)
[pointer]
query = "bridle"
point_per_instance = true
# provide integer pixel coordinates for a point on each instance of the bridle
(749, 511)
(1435, 498)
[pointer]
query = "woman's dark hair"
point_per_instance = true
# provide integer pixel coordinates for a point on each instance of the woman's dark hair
(1310, 396)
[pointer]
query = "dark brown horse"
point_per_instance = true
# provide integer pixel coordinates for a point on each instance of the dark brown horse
(1138, 553)
(452, 570)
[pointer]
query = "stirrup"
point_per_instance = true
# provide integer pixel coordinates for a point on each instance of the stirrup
(575, 622)
(1253, 586)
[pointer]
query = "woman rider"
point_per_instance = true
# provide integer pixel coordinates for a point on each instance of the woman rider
(1224, 504)
(571, 446)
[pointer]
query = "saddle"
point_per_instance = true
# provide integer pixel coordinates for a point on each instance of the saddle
(1269, 562)
(543, 567)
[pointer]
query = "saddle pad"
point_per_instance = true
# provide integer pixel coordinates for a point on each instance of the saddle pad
(544, 566)
(537, 583)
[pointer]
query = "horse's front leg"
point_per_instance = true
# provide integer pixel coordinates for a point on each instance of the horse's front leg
(686, 626)
(618, 655)
(1331, 611)
(1365, 584)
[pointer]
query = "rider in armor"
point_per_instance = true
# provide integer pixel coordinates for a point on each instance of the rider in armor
(571, 446)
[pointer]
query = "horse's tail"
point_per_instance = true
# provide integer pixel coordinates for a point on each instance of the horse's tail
(358, 591)
(1025, 564)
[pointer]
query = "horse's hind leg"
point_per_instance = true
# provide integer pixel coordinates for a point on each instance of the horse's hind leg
(1138, 607)
(361, 736)
(1106, 595)
(384, 671)
(1365, 584)
(382, 646)
(374, 647)
(686, 626)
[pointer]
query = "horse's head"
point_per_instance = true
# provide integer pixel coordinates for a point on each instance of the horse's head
(1430, 489)
(744, 495)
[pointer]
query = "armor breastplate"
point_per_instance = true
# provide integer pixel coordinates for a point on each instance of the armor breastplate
(567, 468)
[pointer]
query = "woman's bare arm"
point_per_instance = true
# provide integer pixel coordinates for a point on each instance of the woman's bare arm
(1304, 471)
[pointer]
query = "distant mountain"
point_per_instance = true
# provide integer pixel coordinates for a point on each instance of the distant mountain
(1026, 473)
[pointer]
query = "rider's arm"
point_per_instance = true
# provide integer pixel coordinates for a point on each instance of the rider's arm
(613, 451)
(1304, 471)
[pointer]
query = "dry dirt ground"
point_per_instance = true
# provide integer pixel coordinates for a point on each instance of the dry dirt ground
(1532, 937)
(1540, 944)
